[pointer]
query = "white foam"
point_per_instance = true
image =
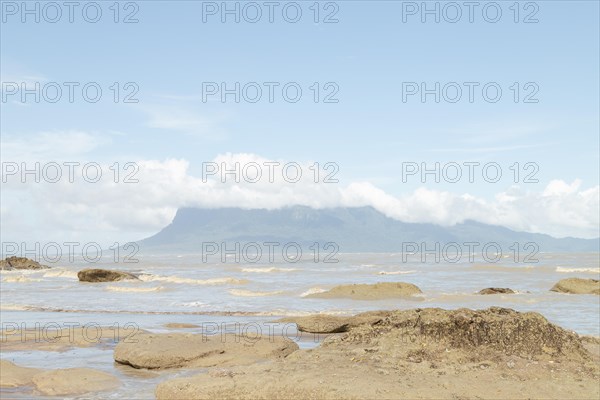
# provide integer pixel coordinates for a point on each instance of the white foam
(313, 291)
(249, 293)
(192, 304)
(396, 272)
(61, 273)
(268, 270)
(133, 289)
(585, 270)
(190, 281)
(18, 279)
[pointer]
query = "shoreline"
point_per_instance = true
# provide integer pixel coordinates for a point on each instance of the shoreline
(363, 353)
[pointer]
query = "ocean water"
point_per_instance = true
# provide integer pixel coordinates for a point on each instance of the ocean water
(184, 285)
(230, 295)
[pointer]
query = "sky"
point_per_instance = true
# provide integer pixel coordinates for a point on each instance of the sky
(375, 92)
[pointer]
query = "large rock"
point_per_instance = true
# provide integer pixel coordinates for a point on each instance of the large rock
(12, 375)
(500, 329)
(73, 381)
(12, 263)
(153, 351)
(377, 291)
(495, 290)
(577, 286)
(103, 275)
(423, 353)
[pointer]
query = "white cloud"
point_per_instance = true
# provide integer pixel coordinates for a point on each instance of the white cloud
(112, 211)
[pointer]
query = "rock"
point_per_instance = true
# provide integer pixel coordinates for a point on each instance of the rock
(320, 323)
(58, 382)
(323, 323)
(383, 290)
(494, 290)
(73, 381)
(13, 375)
(153, 351)
(103, 275)
(12, 263)
(500, 329)
(479, 349)
(577, 286)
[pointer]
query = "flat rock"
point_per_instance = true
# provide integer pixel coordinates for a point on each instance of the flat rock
(103, 275)
(154, 351)
(377, 291)
(577, 286)
(323, 323)
(12, 263)
(13, 375)
(494, 290)
(73, 381)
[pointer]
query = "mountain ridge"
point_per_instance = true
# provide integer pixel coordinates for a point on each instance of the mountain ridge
(353, 229)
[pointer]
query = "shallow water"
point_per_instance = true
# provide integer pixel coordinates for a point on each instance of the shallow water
(217, 296)
(179, 284)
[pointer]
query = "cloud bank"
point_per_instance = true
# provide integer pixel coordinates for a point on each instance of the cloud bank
(107, 210)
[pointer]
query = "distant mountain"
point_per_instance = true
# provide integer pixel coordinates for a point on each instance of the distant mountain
(360, 229)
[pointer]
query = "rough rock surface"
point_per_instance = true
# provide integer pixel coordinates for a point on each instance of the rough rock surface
(12, 263)
(423, 353)
(495, 290)
(577, 286)
(153, 351)
(103, 275)
(383, 290)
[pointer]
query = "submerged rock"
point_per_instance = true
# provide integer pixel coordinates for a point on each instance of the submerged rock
(56, 338)
(103, 275)
(577, 286)
(180, 325)
(153, 351)
(12, 263)
(74, 381)
(13, 375)
(56, 382)
(494, 290)
(376, 291)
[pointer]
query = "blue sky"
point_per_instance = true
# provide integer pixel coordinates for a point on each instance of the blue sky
(368, 54)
